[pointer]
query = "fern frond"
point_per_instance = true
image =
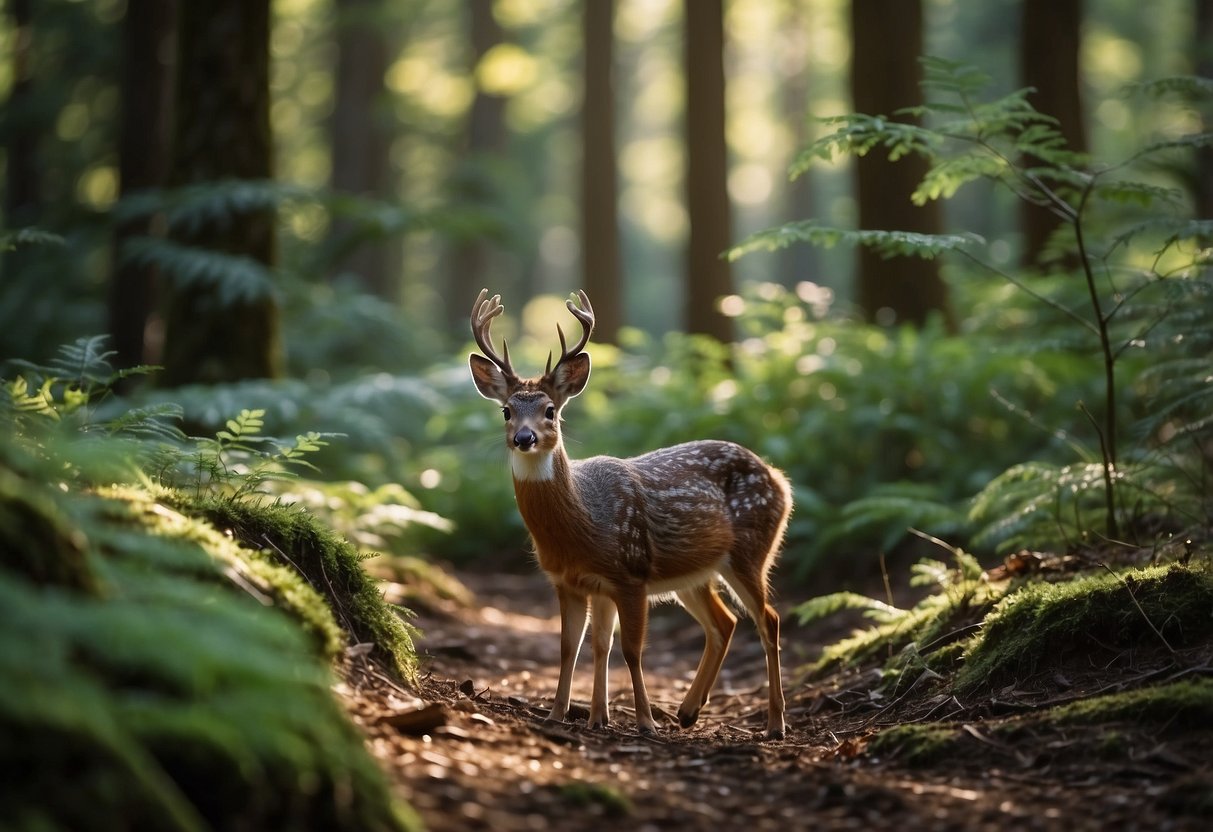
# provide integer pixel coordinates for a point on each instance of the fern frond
(234, 278)
(824, 606)
(29, 236)
(886, 243)
(156, 421)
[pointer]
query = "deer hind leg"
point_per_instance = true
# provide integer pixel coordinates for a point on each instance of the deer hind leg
(752, 591)
(573, 608)
(633, 606)
(718, 624)
(602, 633)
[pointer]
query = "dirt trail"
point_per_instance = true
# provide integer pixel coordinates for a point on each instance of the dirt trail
(473, 752)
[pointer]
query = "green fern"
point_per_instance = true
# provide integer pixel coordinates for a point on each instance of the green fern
(884, 243)
(239, 460)
(235, 278)
(29, 236)
(825, 606)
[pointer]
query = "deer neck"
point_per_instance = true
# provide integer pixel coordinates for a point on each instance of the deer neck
(549, 503)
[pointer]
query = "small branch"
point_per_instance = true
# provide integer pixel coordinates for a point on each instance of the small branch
(1133, 597)
(1024, 287)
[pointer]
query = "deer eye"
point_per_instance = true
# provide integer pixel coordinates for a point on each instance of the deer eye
(505, 411)
(551, 412)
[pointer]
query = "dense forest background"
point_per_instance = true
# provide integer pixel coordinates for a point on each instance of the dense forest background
(288, 207)
(468, 125)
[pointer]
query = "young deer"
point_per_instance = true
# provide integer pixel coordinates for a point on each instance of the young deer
(610, 533)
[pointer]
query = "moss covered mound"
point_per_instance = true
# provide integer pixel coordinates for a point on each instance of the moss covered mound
(331, 564)
(1139, 718)
(1044, 624)
(157, 676)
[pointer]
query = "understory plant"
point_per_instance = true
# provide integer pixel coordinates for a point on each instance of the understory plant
(1124, 277)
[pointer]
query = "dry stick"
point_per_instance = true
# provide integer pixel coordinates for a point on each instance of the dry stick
(1133, 598)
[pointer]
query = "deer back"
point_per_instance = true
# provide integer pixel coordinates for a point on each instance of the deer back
(668, 517)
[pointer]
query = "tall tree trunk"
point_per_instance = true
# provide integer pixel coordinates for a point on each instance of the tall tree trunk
(708, 276)
(22, 186)
(1203, 189)
(885, 75)
(1050, 40)
(797, 263)
(222, 132)
(361, 135)
(600, 258)
(472, 260)
(145, 132)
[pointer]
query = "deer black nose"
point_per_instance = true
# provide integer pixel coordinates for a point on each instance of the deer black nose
(525, 439)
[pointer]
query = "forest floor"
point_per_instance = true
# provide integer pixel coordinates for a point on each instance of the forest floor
(471, 750)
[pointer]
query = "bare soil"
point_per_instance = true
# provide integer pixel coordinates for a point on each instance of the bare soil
(471, 749)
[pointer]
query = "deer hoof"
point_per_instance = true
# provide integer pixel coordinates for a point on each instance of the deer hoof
(688, 718)
(775, 734)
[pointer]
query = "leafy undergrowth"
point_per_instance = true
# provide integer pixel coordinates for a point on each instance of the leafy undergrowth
(160, 674)
(1058, 673)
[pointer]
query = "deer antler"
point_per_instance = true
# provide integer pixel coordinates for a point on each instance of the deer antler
(483, 312)
(585, 315)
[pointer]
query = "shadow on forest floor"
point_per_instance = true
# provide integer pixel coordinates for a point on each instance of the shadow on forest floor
(472, 750)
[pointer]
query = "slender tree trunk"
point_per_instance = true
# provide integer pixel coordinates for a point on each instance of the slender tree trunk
(708, 276)
(362, 133)
(600, 258)
(1050, 41)
(1203, 190)
(798, 263)
(222, 132)
(22, 186)
(472, 260)
(149, 55)
(885, 77)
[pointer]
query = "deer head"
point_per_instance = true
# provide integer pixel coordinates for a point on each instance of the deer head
(531, 406)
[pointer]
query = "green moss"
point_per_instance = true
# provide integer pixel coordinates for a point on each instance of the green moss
(144, 521)
(935, 624)
(164, 681)
(1179, 705)
(612, 802)
(1043, 624)
(916, 743)
(291, 537)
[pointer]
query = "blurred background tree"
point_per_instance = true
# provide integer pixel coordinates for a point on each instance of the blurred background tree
(314, 190)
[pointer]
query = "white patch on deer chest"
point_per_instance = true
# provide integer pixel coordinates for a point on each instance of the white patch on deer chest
(531, 466)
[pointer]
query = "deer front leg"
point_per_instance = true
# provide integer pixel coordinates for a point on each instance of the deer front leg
(573, 608)
(602, 633)
(633, 606)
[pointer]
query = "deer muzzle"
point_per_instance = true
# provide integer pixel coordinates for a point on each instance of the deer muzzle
(525, 439)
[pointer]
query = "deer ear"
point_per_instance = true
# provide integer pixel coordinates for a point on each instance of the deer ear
(570, 376)
(489, 379)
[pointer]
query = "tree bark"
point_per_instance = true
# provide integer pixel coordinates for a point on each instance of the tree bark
(1050, 40)
(1203, 187)
(144, 155)
(708, 276)
(222, 132)
(472, 260)
(885, 77)
(361, 133)
(22, 187)
(600, 258)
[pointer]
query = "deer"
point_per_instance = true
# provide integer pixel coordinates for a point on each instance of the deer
(611, 534)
